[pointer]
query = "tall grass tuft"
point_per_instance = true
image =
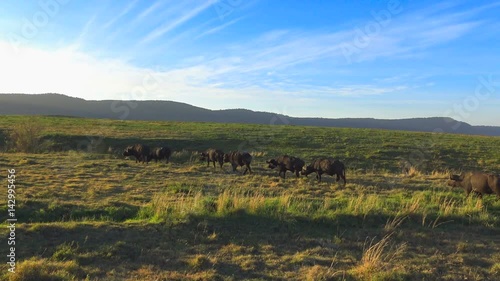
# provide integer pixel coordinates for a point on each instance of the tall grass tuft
(394, 223)
(414, 205)
(378, 257)
(414, 172)
(447, 207)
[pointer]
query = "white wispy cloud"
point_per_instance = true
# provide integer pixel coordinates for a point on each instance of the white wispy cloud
(364, 90)
(403, 37)
(187, 15)
(217, 28)
(125, 11)
(141, 16)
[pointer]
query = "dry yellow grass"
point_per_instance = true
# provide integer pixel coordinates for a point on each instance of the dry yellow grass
(378, 257)
(282, 220)
(44, 269)
(394, 223)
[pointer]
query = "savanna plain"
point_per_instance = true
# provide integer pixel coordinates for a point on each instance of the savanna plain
(85, 212)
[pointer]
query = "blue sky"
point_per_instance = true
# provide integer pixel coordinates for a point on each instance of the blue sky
(382, 59)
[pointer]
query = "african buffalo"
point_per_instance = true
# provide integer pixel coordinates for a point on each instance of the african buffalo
(140, 151)
(213, 155)
(479, 183)
(237, 158)
(160, 153)
(326, 166)
(286, 163)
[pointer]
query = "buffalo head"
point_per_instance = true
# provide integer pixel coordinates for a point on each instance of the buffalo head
(203, 156)
(272, 163)
(128, 151)
(308, 170)
(455, 180)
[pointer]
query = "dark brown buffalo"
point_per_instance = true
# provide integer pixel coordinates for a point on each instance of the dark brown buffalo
(326, 166)
(286, 163)
(237, 158)
(213, 155)
(160, 153)
(479, 183)
(140, 151)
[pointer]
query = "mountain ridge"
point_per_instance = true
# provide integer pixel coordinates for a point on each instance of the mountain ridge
(58, 104)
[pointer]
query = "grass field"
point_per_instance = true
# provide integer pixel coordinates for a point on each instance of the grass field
(86, 213)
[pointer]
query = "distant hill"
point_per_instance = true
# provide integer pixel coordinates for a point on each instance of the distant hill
(57, 104)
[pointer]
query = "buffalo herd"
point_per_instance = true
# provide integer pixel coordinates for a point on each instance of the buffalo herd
(477, 182)
(139, 151)
(329, 166)
(144, 154)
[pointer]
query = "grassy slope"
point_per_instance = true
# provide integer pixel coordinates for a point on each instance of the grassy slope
(97, 215)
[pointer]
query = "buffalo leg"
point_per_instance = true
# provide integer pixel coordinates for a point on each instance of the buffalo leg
(247, 169)
(297, 173)
(282, 173)
(318, 176)
(339, 176)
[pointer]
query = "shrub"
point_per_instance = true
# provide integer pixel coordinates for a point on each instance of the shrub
(25, 137)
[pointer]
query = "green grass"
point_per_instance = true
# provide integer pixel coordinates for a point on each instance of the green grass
(86, 213)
